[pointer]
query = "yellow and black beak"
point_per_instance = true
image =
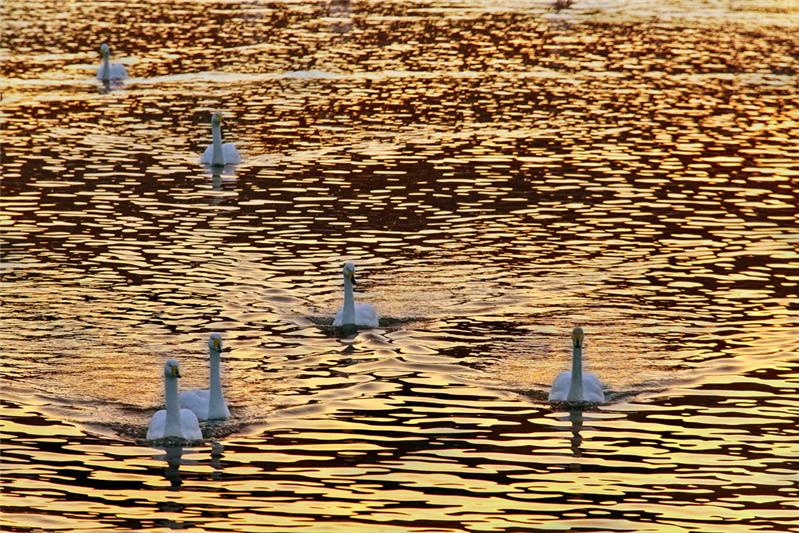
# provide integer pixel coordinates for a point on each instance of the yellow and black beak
(352, 277)
(577, 336)
(217, 345)
(175, 372)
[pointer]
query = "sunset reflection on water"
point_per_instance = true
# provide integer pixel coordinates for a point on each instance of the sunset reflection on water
(499, 171)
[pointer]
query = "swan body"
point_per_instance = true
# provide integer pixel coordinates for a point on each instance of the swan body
(577, 386)
(108, 71)
(173, 421)
(219, 154)
(208, 404)
(351, 313)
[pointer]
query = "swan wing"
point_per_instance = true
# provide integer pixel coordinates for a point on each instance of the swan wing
(196, 401)
(592, 389)
(157, 422)
(231, 154)
(337, 320)
(560, 387)
(118, 71)
(190, 426)
(207, 155)
(366, 315)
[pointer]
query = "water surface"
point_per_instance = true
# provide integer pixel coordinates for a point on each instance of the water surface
(499, 171)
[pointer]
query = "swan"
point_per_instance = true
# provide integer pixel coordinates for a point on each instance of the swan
(218, 154)
(351, 313)
(208, 404)
(108, 71)
(577, 387)
(173, 421)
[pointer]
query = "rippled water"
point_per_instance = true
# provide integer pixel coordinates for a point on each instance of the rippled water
(499, 171)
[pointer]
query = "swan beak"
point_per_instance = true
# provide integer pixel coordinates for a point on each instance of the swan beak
(175, 372)
(352, 278)
(217, 345)
(577, 336)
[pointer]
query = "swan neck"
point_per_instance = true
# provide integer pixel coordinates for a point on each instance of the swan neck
(106, 72)
(216, 157)
(348, 313)
(576, 386)
(216, 401)
(172, 425)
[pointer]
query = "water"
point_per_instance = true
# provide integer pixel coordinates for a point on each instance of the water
(499, 172)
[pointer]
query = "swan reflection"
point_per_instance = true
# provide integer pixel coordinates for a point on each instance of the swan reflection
(576, 419)
(217, 452)
(174, 458)
(341, 13)
(173, 455)
(107, 86)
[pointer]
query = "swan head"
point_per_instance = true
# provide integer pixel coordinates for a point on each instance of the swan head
(349, 272)
(577, 337)
(171, 369)
(105, 50)
(216, 119)
(215, 342)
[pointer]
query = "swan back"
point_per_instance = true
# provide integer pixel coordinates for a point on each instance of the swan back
(108, 71)
(352, 313)
(209, 404)
(219, 154)
(173, 421)
(216, 406)
(577, 387)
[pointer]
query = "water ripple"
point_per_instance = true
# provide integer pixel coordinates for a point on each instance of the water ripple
(498, 171)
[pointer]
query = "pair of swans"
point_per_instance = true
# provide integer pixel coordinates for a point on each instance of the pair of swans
(575, 387)
(184, 410)
(217, 154)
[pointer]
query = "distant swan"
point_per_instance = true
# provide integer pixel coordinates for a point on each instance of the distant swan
(218, 154)
(208, 404)
(352, 314)
(577, 387)
(108, 71)
(173, 421)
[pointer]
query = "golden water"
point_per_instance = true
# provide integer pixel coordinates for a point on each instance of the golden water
(499, 171)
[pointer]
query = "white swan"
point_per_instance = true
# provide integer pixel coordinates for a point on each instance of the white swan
(208, 404)
(173, 421)
(218, 154)
(577, 387)
(351, 313)
(108, 71)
